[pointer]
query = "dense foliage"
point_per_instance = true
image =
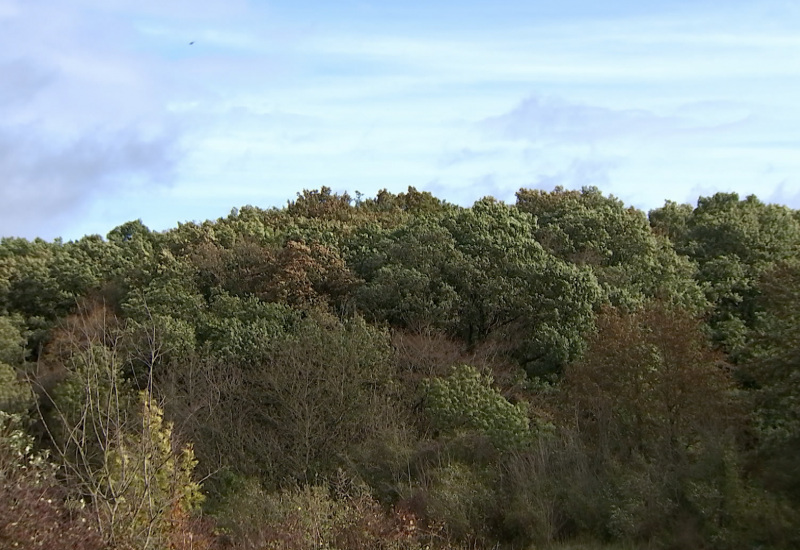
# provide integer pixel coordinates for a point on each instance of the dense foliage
(398, 372)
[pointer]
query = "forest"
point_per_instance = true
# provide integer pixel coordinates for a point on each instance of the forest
(401, 373)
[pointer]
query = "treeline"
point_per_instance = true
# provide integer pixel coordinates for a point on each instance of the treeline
(399, 372)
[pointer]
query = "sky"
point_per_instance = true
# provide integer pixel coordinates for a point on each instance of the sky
(171, 111)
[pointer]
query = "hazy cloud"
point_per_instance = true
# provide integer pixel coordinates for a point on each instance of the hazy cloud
(22, 80)
(785, 193)
(579, 173)
(464, 155)
(540, 118)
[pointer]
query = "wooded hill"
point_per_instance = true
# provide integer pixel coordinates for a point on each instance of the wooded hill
(398, 372)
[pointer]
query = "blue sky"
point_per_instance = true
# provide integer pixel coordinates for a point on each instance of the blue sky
(108, 114)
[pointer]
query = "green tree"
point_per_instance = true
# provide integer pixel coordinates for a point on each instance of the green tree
(321, 203)
(672, 221)
(15, 394)
(406, 274)
(757, 233)
(515, 291)
(632, 263)
(733, 242)
(477, 273)
(772, 370)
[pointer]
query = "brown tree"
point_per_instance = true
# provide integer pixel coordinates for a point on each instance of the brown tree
(649, 382)
(652, 405)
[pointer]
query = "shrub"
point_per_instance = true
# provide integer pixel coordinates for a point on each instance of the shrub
(342, 516)
(35, 511)
(466, 402)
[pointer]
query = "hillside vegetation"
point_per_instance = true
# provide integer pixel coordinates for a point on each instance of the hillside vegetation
(399, 372)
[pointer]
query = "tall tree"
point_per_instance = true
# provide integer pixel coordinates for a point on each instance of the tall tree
(772, 369)
(652, 404)
(631, 262)
(733, 241)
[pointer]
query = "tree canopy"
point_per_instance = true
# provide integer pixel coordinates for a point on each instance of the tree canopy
(401, 372)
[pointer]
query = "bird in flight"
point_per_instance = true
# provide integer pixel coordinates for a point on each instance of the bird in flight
(191, 43)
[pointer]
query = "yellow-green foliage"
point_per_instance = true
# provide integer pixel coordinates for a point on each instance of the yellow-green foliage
(119, 451)
(149, 480)
(465, 401)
